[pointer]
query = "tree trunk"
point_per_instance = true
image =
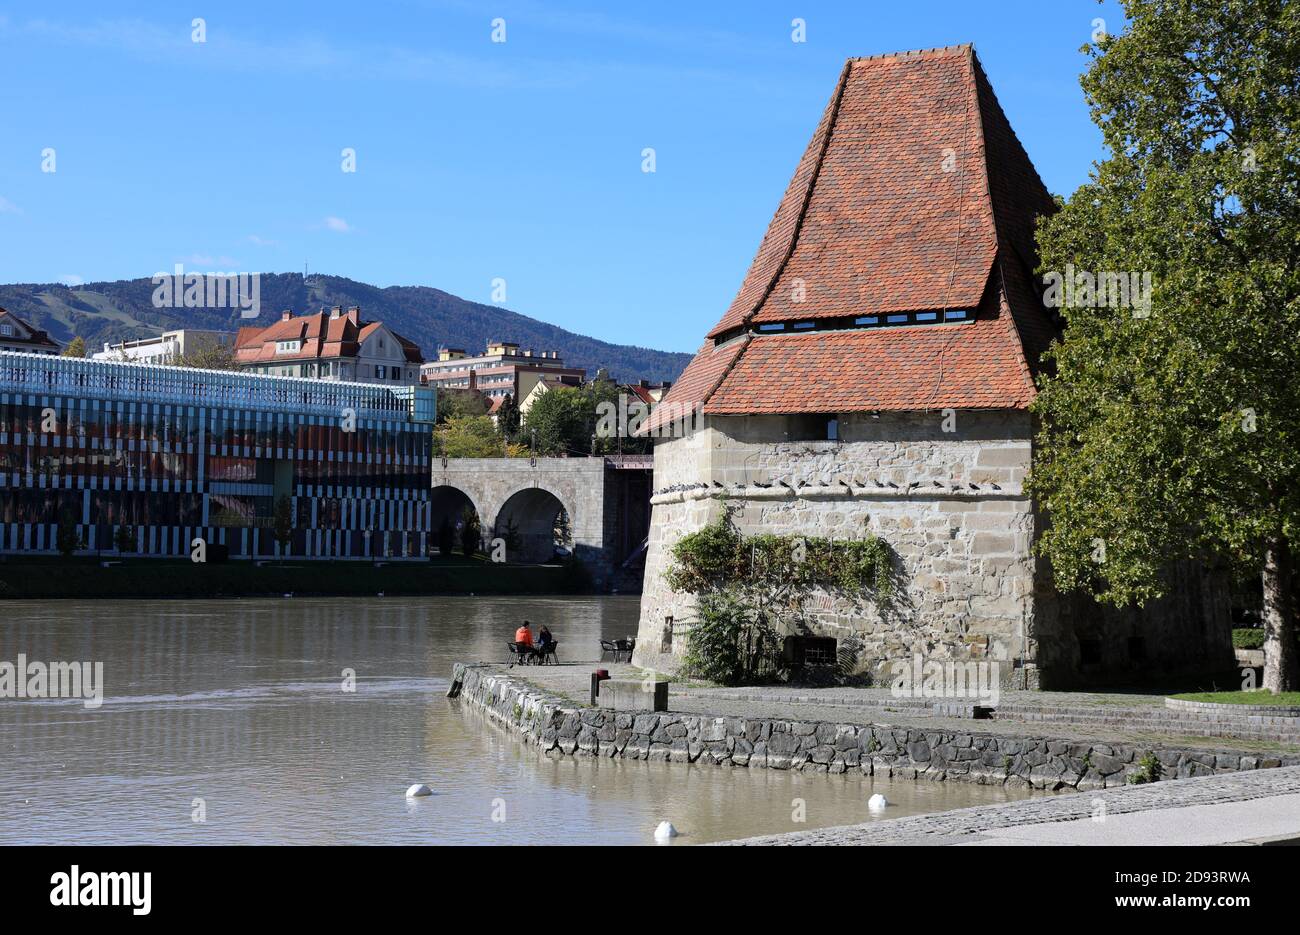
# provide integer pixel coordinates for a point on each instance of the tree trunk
(1280, 673)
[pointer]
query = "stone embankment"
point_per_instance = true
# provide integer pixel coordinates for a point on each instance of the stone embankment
(561, 727)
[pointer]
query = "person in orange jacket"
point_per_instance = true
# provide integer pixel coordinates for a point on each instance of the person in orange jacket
(524, 635)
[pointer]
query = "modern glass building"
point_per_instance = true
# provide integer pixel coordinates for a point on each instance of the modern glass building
(151, 457)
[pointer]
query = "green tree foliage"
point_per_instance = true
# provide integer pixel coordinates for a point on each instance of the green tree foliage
(508, 417)
(1173, 431)
(752, 589)
(467, 437)
(729, 643)
(566, 419)
(470, 533)
(208, 356)
(76, 348)
(556, 423)
(460, 404)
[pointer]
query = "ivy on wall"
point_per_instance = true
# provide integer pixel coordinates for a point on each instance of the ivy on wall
(718, 557)
(751, 590)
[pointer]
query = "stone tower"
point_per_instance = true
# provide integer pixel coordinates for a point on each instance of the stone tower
(873, 376)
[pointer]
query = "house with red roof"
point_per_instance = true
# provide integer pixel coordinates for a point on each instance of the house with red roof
(19, 336)
(873, 377)
(332, 344)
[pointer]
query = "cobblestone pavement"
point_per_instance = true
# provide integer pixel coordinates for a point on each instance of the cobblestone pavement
(1205, 816)
(1083, 716)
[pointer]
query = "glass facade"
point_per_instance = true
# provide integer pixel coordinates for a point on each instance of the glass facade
(169, 454)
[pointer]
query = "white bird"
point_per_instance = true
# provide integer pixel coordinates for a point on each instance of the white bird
(877, 802)
(665, 831)
(417, 790)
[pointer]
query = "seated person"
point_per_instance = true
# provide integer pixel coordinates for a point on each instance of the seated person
(524, 635)
(544, 639)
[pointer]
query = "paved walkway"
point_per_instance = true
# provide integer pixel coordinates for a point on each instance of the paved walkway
(1231, 808)
(1083, 716)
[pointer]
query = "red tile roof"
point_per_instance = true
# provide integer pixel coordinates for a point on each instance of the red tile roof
(913, 195)
(322, 336)
(696, 384)
(26, 335)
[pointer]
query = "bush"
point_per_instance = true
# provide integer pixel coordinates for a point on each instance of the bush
(729, 643)
(1248, 638)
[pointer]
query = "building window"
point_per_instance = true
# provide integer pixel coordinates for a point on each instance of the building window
(809, 651)
(288, 347)
(380, 372)
(666, 644)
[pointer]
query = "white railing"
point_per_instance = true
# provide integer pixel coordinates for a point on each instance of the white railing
(140, 382)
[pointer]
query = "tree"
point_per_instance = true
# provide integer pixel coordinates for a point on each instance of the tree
(467, 437)
(470, 533)
(76, 348)
(554, 425)
(208, 356)
(283, 523)
(66, 539)
(454, 404)
(1171, 429)
(124, 538)
(508, 418)
(446, 537)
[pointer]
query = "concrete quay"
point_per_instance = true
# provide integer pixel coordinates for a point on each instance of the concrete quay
(1259, 807)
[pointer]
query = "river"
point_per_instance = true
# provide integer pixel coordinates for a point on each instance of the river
(232, 722)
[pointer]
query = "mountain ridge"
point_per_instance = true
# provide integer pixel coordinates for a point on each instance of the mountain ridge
(123, 309)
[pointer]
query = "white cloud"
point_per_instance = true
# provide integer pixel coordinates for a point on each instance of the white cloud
(8, 207)
(72, 280)
(262, 241)
(338, 225)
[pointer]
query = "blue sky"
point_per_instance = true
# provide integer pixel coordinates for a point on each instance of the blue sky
(475, 159)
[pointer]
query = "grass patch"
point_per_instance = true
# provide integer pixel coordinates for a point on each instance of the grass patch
(1260, 697)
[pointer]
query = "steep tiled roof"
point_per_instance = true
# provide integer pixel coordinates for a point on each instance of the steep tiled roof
(696, 384)
(24, 334)
(913, 195)
(968, 366)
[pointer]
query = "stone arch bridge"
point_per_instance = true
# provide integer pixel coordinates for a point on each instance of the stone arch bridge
(600, 504)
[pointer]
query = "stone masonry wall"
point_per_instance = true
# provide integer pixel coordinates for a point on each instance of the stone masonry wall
(561, 728)
(945, 492)
(948, 503)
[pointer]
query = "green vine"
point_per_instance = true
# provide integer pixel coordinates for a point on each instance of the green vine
(718, 556)
(751, 591)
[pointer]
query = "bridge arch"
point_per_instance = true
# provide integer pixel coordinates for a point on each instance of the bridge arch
(534, 521)
(449, 502)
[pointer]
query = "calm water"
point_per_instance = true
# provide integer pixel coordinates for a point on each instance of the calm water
(240, 703)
